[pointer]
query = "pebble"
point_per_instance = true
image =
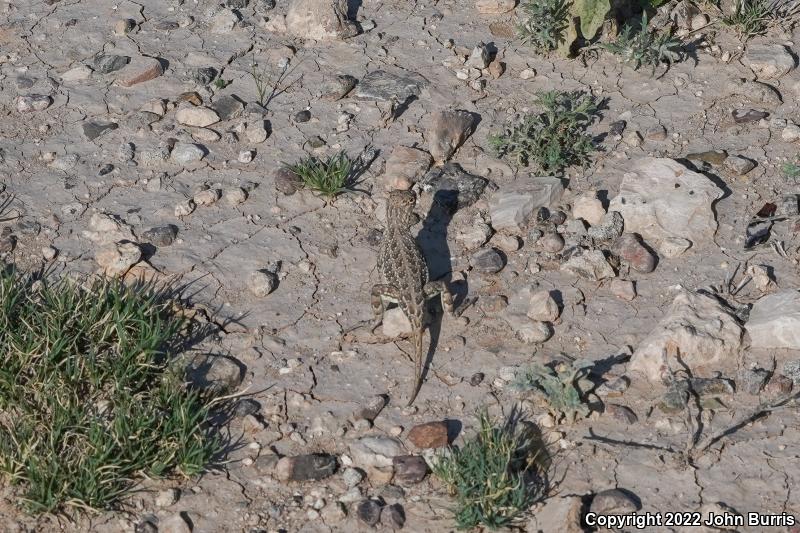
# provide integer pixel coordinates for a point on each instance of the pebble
(656, 133)
(476, 379)
(228, 107)
(79, 73)
(246, 156)
(140, 70)
(33, 102)
(107, 63)
(527, 74)
(506, 243)
(791, 133)
(755, 379)
(589, 208)
(207, 197)
(479, 58)
(372, 408)
(167, 497)
(630, 248)
(161, 235)
(487, 261)
(543, 307)
(185, 208)
(369, 512)
(235, 196)
(534, 332)
(49, 253)
(429, 435)
(261, 283)
(184, 153)
(352, 477)
(409, 469)
(124, 26)
(739, 165)
(613, 501)
(551, 242)
(310, 467)
(623, 289)
(286, 181)
(674, 246)
(117, 258)
(257, 131)
(196, 116)
(302, 116)
(591, 265)
(632, 138)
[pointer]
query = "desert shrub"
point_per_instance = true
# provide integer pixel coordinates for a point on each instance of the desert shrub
(329, 177)
(546, 22)
(645, 47)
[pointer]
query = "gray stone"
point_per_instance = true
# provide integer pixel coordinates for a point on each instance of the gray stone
(613, 501)
(161, 235)
(769, 61)
(185, 153)
(590, 265)
(286, 181)
(739, 165)
(706, 333)
(224, 21)
(310, 467)
(452, 187)
(228, 107)
(393, 516)
(754, 379)
(610, 227)
(338, 87)
(384, 86)
(487, 261)
(447, 131)
(395, 323)
(791, 369)
(511, 207)
(320, 20)
(551, 242)
(105, 64)
(262, 282)
(561, 514)
(203, 75)
(92, 130)
(774, 321)
(33, 102)
(409, 469)
(117, 258)
(375, 451)
(369, 512)
(660, 198)
(479, 58)
(372, 407)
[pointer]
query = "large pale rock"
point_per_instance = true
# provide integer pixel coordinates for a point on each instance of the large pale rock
(196, 116)
(448, 129)
(775, 321)
(320, 20)
(589, 264)
(376, 451)
(769, 61)
(706, 334)
(662, 199)
(105, 228)
(588, 207)
(512, 206)
(116, 259)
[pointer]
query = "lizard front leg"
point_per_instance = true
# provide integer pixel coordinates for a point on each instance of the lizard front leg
(433, 289)
(378, 293)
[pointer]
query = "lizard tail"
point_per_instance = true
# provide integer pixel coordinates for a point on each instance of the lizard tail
(420, 362)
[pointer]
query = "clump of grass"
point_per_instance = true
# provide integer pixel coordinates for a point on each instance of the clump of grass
(792, 169)
(558, 387)
(554, 139)
(495, 476)
(545, 24)
(329, 177)
(751, 18)
(89, 401)
(645, 47)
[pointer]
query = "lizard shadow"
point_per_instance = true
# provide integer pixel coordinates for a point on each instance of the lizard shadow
(432, 240)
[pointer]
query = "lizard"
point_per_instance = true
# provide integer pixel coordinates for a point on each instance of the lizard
(405, 275)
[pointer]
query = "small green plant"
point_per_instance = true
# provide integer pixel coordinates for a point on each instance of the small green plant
(545, 24)
(267, 86)
(220, 84)
(792, 169)
(554, 139)
(558, 387)
(751, 18)
(645, 47)
(495, 476)
(89, 400)
(329, 177)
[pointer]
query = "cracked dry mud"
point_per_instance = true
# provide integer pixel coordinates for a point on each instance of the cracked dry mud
(301, 364)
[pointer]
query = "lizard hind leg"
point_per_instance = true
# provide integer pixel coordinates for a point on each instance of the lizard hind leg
(377, 295)
(438, 288)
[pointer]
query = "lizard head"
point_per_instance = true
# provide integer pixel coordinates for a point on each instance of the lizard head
(400, 207)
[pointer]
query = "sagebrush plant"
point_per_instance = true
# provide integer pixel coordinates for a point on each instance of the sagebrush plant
(555, 138)
(546, 23)
(496, 475)
(558, 386)
(645, 47)
(751, 18)
(329, 177)
(89, 400)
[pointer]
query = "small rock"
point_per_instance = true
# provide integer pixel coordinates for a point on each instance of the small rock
(494, 7)
(49, 253)
(393, 516)
(257, 131)
(487, 261)
(551, 242)
(610, 227)
(744, 116)
(33, 102)
(475, 235)
(168, 497)
(506, 243)
(369, 512)
(302, 116)
(92, 130)
(589, 264)
(755, 379)
(533, 332)
(674, 246)
(613, 501)
(496, 69)
(543, 307)
(116, 259)
(309, 467)
(105, 64)
(479, 58)
(429, 435)
(185, 153)
(246, 156)
(739, 165)
(207, 197)
(140, 70)
(623, 289)
(656, 133)
(185, 208)
(196, 116)
(527, 74)
(448, 129)
(630, 248)
(621, 413)
(452, 187)
(235, 196)
(203, 75)
(376, 451)
(395, 323)
(7, 243)
(338, 87)
(286, 181)
(778, 385)
(372, 407)
(161, 235)
(405, 165)
(228, 107)
(769, 61)
(409, 469)
(791, 133)
(589, 208)
(476, 379)
(124, 26)
(261, 283)
(174, 524)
